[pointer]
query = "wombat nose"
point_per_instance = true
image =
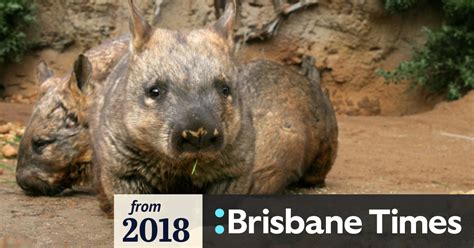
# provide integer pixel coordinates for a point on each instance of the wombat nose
(200, 139)
(33, 185)
(197, 131)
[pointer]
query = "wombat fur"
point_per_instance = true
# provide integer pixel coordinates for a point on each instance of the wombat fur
(296, 129)
(54, 152)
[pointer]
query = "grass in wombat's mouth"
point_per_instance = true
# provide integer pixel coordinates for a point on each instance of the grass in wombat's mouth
(194, 167)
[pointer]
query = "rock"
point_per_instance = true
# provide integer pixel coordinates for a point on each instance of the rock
(9, 137)
(15, 129)
(374, 7)
(9, 151)
(20, 131)
(5, 128)
(338, 70)
(18, 98)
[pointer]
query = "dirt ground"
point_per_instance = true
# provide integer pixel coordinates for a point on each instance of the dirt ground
(432, 152)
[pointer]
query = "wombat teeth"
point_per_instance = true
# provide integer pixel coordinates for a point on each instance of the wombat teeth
(199, 133)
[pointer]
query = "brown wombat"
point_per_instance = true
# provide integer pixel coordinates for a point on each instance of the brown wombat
(178, 115)
(55, 152)
(171, 119)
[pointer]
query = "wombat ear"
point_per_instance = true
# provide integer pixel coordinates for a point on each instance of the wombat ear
(82, 72)
(139, 27)
(225, 24)
(43, 72)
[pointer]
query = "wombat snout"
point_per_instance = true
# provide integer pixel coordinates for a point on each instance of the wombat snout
(33, 184)
(198, 132)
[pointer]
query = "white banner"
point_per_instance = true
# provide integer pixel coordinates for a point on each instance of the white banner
(158, 221)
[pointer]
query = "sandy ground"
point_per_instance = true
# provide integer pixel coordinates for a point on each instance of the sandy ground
(432, 152)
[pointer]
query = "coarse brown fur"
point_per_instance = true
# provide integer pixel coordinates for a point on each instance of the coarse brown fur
(296, 129)
(55, 152)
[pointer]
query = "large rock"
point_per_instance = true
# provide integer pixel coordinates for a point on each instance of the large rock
(9, 151)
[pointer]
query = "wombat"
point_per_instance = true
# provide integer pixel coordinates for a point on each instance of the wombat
(55, 153)
(172, 119)
(179, 115)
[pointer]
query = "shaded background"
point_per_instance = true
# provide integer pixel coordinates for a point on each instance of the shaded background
(350, 40)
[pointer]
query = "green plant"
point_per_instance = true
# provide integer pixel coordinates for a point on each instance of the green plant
(398, 5)
(445, 64)
(15, 17)
(460, 12)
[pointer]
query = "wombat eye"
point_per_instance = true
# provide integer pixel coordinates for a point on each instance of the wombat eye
(222, 87)
(153, 92)
(71, 121)
(225, 90)
(39, 144)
